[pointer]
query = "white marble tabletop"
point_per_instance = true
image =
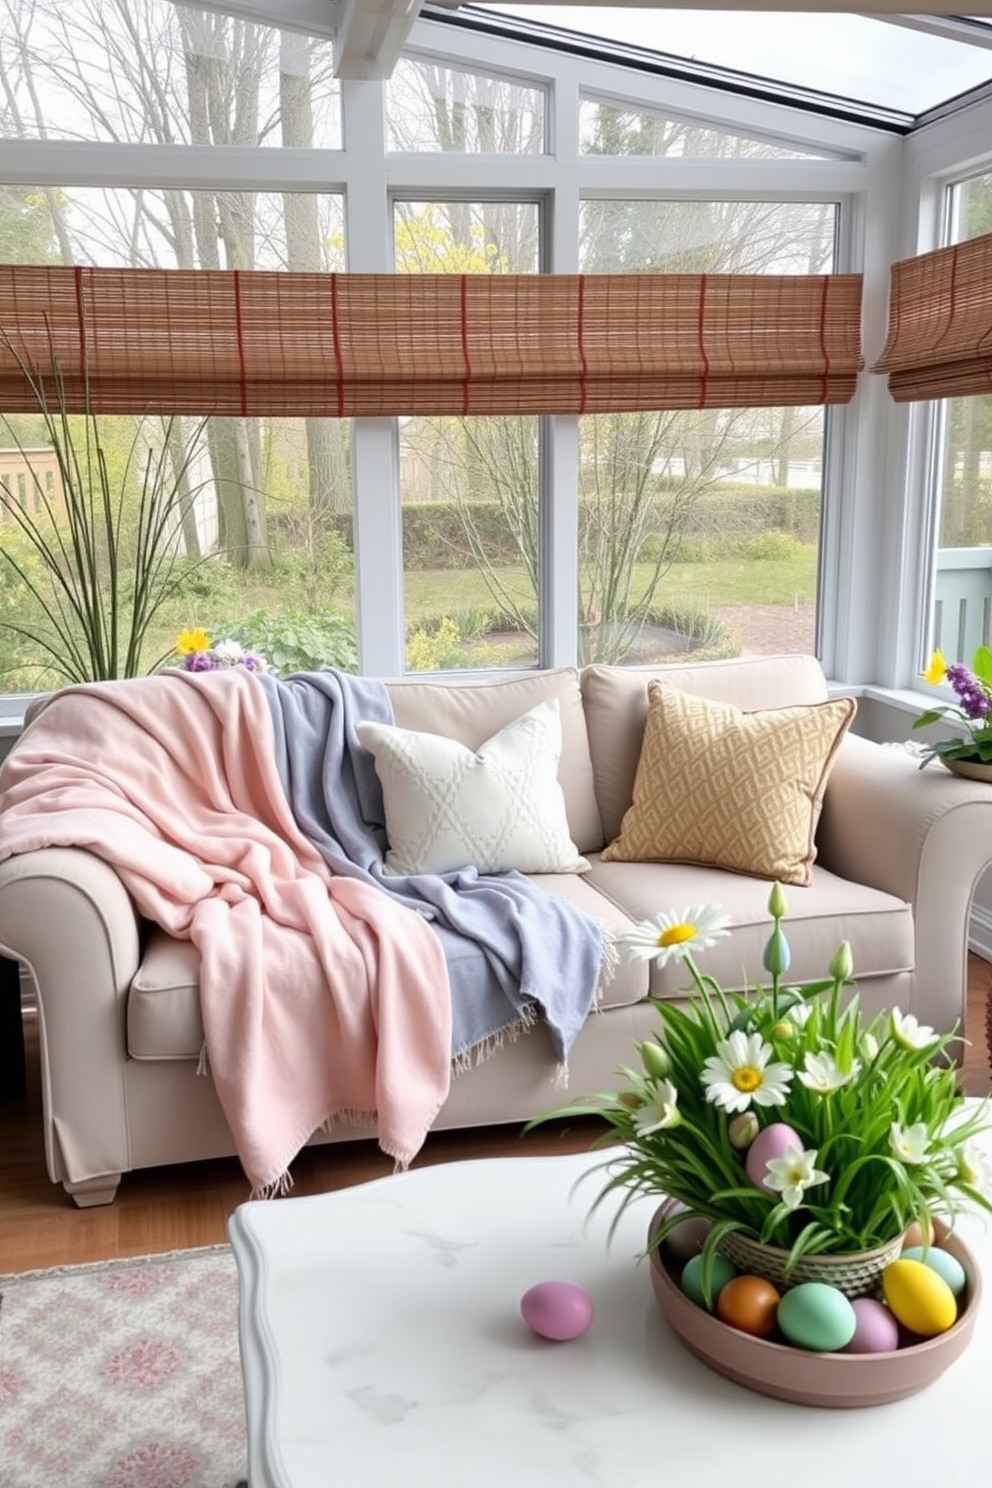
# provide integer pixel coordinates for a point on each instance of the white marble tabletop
(382, 1344)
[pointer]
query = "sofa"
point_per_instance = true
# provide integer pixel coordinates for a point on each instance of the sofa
(893, 856)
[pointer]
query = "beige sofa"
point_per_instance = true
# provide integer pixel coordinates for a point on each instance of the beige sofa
(899, 852)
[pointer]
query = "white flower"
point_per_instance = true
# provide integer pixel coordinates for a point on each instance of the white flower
(974, 1167)
(799, 1013)
(792, 1173)
(869, 1046)
(909, 1143)
(821, 1074)
(739, 1073)
(671, 936)
(228, 653)
(908, 1033)
(660, 1112)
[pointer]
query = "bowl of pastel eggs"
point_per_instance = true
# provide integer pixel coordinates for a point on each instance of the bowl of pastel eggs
(810, 1343)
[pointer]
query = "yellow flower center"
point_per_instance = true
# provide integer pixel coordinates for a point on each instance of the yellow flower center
(676, 935)
(746, 1079)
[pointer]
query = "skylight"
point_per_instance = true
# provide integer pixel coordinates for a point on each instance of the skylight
(891, 64)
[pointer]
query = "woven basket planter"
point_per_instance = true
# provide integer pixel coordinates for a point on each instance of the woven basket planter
(857, 1275)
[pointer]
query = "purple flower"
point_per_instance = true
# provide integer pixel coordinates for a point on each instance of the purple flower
(198, 661)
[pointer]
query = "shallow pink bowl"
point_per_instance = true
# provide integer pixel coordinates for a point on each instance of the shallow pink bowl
(807, 1378)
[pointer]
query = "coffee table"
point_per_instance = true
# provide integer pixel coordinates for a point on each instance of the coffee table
(382, 1344)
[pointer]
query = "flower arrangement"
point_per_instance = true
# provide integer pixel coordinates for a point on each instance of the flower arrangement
(198, 654)
(783, 1114)
(973, 686)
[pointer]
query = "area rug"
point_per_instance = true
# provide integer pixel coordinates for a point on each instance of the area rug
(123, 1375)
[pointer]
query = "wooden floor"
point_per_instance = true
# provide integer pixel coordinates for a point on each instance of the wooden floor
(177, 1207)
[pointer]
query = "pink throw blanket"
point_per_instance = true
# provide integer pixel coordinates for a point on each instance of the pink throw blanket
(321, 996)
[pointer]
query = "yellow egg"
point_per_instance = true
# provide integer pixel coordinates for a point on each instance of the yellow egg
(919, 1298)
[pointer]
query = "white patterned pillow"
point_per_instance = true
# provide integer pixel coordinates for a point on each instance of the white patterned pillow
(497, 808)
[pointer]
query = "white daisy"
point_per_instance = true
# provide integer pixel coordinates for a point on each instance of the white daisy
(909, 1143)
(908, 1033)
(660, 1112)
(672, 936)
(739, 1073)
(229, 653)
(793, 1173)
(821, 1074)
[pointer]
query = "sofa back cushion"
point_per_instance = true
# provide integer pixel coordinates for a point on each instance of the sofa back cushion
(616, 707)
(739, 788)
(473, 711)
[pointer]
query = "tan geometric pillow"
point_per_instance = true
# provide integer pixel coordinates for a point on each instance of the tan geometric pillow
(719, 786)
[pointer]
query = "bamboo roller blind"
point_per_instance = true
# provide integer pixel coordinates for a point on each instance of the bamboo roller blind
(343, 345)
(940, 324)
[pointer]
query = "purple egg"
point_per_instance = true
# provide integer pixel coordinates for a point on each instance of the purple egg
(876, 1330)
(558, 1310)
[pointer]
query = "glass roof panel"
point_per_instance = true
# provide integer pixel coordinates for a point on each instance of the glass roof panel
(869, 60)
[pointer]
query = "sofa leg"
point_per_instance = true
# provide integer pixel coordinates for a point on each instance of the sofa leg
(93, 1191)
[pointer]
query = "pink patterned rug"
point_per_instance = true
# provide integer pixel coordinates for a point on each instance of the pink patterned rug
(123, 1374)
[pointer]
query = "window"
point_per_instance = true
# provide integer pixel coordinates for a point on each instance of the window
(699, 530)
(469, 486)
(81, 71)
(265, 529)
(434, 107)
(962, 575)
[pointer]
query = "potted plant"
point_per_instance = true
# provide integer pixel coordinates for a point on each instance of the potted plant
(802, 1135)
(969, 754)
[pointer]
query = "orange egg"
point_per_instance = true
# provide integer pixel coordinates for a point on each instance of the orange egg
(750, 1304)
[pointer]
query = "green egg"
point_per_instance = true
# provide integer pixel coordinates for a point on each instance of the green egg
(941, 1261)
(691, 1279)
(816, 1316)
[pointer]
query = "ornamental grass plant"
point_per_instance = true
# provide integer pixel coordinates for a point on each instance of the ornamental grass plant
(871, 1131)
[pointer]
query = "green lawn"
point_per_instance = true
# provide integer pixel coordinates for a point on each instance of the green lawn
(692, 585)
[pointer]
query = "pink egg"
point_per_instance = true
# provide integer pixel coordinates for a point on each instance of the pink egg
(771, 1142)
(689, 1236)
(558, 1310)
(876, 1330)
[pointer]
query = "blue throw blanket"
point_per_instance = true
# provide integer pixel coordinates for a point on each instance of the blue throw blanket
(515, 953)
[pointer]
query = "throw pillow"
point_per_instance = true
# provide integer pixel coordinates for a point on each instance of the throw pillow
(497, 808)
(739, 790)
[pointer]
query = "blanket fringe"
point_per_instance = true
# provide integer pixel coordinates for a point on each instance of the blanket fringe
(478, 1053)
(277, 1189)
(607, 967)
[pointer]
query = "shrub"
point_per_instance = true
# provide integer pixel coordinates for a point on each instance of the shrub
(296, 641)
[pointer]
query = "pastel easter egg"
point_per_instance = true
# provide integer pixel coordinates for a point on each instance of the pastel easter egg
(749, 1303)
(688, 1237)
(915, 1235)
(941, 1261)
(814, 1315)
(876, 1330)
(558, 1310)
(770, 1142)
(920, 1299)
(691, 1280)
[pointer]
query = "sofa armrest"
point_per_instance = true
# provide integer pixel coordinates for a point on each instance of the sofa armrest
(68, 917)
(924, 836)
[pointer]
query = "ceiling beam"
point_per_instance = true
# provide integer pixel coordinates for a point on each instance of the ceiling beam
(371, 35)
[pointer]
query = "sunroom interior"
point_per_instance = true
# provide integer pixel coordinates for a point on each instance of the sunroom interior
(387, 138)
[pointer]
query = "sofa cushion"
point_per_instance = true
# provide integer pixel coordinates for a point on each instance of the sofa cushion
(616, 709)
(496, 808)
(879, 926)
(163, 1005)
(473, 711)
(741, 790)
